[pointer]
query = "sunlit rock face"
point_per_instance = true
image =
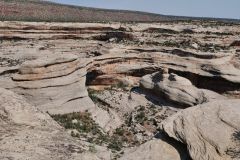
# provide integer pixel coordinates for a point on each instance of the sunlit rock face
(177, 89)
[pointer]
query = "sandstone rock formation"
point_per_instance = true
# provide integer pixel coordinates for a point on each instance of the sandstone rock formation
(208, 66)
(210, 131)
(54, 83)
(137, 75)
(177, 89)
(27, 133)
(152, 150)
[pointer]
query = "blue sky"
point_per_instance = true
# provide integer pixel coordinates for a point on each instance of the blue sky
(199, 8)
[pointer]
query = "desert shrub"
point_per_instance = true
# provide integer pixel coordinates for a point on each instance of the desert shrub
(209, 47)
(171, 44)
(129, 120)
(92, 94)
(140, 117)
(84, 124)
(75, 134)
(140, 108)
(115, 144)
(119, 131)
(235, 152)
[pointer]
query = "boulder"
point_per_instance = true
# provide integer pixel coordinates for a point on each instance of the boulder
(210, 131)
(176, 89)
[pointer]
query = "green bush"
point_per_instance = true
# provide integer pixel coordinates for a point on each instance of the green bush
(115, 145)
(119, 131)
(85, 123)
(140, 117)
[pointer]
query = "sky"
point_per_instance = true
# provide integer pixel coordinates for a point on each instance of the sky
(195, 8)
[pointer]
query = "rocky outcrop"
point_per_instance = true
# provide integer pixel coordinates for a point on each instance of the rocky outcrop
(27, 133)
(57, 84)
(152, 150)
(207, 65)
(210, 131)
(53, 64)
(54, 83)
(177, 89)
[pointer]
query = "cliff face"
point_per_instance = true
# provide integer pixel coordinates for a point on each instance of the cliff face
(121, 87)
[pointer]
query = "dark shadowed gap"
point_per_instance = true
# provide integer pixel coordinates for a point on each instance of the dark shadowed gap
(215, 83)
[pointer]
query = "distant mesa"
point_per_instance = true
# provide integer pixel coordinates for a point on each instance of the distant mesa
(33, 10)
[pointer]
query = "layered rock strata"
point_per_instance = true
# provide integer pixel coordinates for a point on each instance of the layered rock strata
(55, 83)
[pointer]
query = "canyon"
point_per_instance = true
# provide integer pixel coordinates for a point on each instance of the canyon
(127, 91)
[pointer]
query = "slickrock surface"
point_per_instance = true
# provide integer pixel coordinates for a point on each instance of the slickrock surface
(211, 130)
(27, 133)
(118, 86)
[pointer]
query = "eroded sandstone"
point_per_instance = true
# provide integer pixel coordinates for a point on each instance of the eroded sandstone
(27, 133)
(113, 73)
(210, 130)
(177, 89)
